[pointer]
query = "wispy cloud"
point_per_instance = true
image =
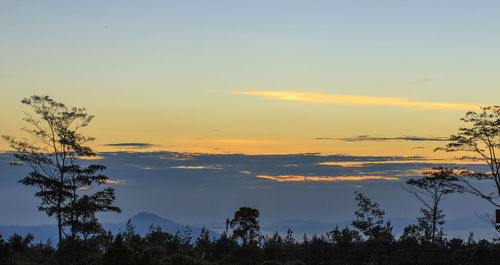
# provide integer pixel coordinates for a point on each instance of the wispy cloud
(361, 138)
(198, 167)
(132, 145)
(108, 181)
(364, 163)
(118, 181)
(257, 188)
(357, 164)
(177, 156)
(90, 157)
(296, 178)
(240, 141)
(357, 100)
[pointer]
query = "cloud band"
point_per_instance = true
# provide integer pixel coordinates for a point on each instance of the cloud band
(320, 98)
(295, 178)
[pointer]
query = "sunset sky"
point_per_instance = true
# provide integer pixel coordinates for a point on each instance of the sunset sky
(357, 78)
(254, 76)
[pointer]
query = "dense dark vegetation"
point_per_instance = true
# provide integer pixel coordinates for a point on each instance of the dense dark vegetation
(369, 241)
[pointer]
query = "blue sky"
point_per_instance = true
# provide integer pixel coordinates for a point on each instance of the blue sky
(174, 72)
(253, 95)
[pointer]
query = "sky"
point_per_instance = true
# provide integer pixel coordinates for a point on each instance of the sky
(350, 78)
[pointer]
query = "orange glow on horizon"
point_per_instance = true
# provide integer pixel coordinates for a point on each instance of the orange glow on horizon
(430, 161)
(197, 167)
(295, 178)
(242, 141)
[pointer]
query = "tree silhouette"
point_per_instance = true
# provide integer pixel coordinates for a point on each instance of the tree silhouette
(119, 253)
(370, 218)
(340, 246)
(481, 137)
(245, 225)
(54, 156)
(430, 190)
(80, 214)
(203, 243)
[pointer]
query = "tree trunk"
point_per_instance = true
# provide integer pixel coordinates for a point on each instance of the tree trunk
(434, 217)
(59, 228)
(59, 215)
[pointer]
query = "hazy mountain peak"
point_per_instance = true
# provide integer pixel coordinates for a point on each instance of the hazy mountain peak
(146, 216)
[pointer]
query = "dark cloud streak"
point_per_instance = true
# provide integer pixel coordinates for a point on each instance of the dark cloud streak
(132, 145)
(362, 138)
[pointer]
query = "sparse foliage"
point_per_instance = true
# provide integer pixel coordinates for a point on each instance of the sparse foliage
(482, 138)
(54, 154)
(430, 190)
(370, 218)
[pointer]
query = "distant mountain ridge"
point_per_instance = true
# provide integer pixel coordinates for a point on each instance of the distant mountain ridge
(459, 227)
(141, 222)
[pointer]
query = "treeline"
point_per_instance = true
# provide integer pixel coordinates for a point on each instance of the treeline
(340, 246)
(370, 240)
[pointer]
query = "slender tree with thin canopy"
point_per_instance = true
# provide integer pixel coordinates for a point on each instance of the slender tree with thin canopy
(430, 190)
(481, 138)
(370, 219)
(56, 153)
